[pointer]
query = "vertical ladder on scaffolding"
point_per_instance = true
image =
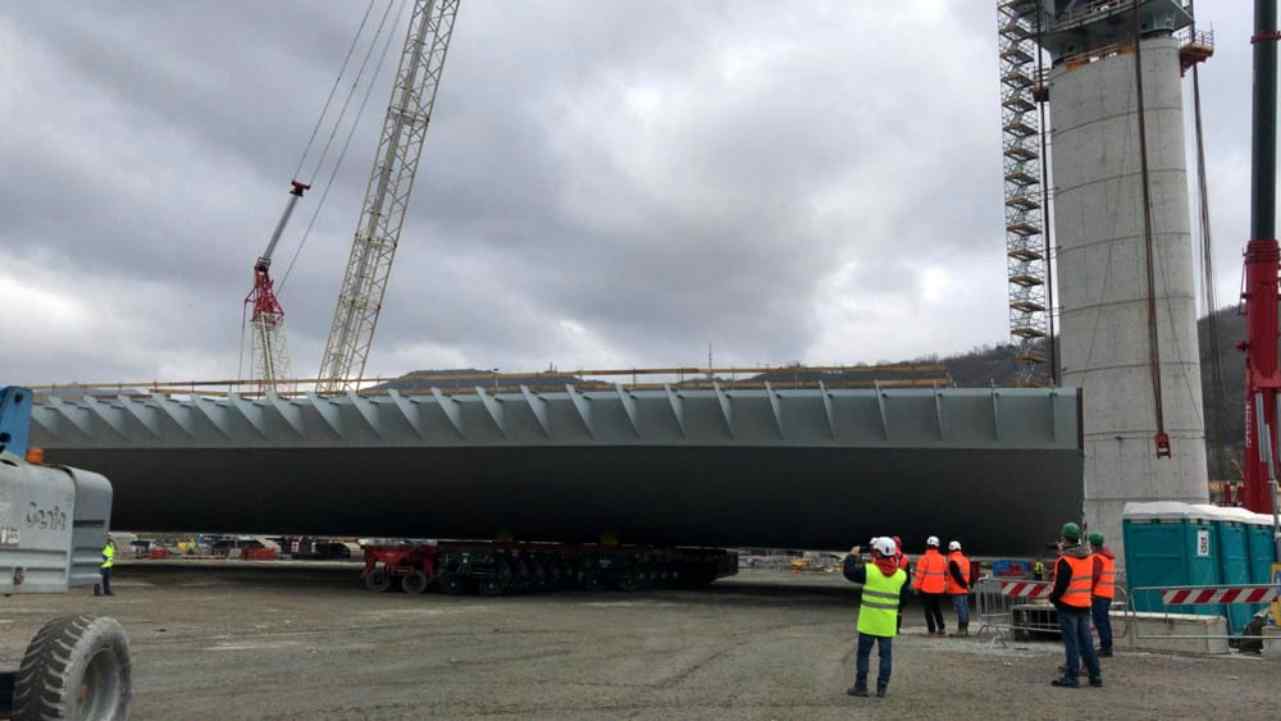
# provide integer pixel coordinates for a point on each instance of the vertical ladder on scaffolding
(1026, 261)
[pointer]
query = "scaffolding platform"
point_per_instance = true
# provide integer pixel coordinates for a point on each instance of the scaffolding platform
(1026, 281)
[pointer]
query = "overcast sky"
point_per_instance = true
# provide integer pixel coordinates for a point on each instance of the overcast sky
(604, 183)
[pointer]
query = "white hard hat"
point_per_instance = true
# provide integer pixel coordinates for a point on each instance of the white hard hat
(954, 546)
(932, 541)
(887, 547)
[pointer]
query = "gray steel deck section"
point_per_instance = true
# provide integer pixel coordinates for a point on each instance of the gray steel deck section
(804, 468)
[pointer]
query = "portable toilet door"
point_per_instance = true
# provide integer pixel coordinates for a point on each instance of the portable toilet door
(1168, 544)
(1263, 553)
(1234, 569)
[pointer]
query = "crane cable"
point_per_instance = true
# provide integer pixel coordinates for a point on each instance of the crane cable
(342, 154)
(355, 39)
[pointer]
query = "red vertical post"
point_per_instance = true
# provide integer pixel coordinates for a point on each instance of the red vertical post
(1261, 266)
(1261, 259)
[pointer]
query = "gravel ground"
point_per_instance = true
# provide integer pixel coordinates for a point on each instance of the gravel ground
(291, 643)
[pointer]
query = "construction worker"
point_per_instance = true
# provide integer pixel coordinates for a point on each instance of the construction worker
(957, 586)
(104, 569)
(884, 594)
(1073, 580)
(904, 563)
(929, 581)
(1102, 591)
(1038, 570)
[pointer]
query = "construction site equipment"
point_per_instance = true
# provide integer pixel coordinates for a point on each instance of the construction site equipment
(499, 568)
(1023, 148)
(53, 526)
(1262, 264)
(269, 349)
(386, 202)
(763, 467)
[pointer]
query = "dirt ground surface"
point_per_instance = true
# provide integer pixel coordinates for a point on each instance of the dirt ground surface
(291, 643)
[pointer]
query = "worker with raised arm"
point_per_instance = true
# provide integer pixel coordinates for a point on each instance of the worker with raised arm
(930, 582)
(1102, 591)
(884, 593)
(958, 586)
(1073, 579)
(904, 563)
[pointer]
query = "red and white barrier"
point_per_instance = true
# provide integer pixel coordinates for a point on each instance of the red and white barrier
(1026, 589)
(1221, 594)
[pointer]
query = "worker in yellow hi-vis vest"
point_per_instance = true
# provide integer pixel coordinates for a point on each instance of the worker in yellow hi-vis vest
(108, 560)
(884, 594)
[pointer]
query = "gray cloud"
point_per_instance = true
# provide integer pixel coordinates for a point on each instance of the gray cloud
(603, 184)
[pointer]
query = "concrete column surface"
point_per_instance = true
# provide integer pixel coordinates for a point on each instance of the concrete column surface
(1103, 284)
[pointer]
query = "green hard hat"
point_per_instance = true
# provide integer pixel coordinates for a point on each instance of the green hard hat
(1096, 539)
(1071, 532)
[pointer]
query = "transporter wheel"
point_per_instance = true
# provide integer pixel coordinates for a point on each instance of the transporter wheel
(415, 582)
(378, 579)
(629, 581)
(593, 582)
(454, 584)
(499, 582)
(76, 667)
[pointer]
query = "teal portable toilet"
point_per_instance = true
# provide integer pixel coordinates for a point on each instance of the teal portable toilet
(1263, 553)
(1234, 567)
(1169, 544)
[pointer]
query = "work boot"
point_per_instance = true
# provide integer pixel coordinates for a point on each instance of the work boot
(858, 690)
(1066, 683)
(880, 691)
(1105, 653)
(97, 590)
(1097, 682)
(961, 632)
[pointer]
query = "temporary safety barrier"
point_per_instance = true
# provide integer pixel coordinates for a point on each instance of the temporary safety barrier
(1224, 594)
(1020, 609)
(1172, 596)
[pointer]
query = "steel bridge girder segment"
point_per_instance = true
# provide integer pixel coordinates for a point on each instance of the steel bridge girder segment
(328, 412)
(629, 408)
(494, 406)
(250, 411)
(213, 413)
(677, 404)
(140, 413)
(776, 407)
(288, 412)
(582, 404)
(449, 407)
(409, 410)
(100, 411)
(365, 409)
(828, 411)
(176, 412)
(538, 406)
(727, 408)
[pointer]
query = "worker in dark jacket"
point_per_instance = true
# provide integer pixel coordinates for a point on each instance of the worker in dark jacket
(1073, 580)
(884, 595)
(958, 586)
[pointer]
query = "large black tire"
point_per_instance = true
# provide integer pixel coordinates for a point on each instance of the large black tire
(454, 584)
(415, 582)
(378, 579)
(76, 667)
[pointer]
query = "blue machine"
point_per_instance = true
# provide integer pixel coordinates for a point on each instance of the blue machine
(15, 419)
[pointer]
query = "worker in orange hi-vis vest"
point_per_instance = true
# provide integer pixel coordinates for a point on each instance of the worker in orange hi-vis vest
(957, 585)
(1073, 581)
(930, 582)
(1102, 591)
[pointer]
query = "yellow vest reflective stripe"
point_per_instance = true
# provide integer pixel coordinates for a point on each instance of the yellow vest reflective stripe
(878, 613)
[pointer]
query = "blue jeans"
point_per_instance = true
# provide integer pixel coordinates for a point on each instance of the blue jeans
(1103, 622)
(961, 602)
(1077, 644)
(886, 654)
